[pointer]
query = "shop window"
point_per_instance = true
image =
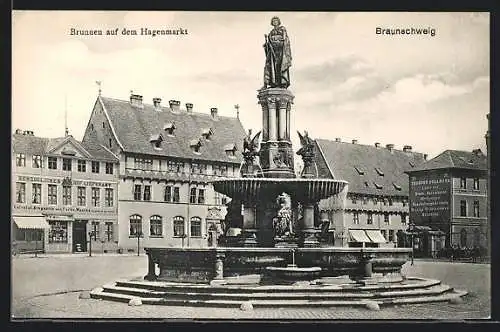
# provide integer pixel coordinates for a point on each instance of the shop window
(20, 159)
(20, 192)
(135, 225)
(58, 232)
(195, 229)
(178, 226)
(155, 226)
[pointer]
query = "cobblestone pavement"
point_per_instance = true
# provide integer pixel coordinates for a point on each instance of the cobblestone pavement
(473, 277)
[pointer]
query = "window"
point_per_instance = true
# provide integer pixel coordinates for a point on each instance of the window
(137, 192)
(369, 221)
(201, 196)
(355, 218)
(52, 161)
(178, 226)
(476, 184)
(37, 161)
(52, 194)
(176, 195)
(354, 199)
(135, 225)
(82, 166)
(95, 167)
(109, 168)
(175, 166)
(463, 237)
(81, 196)
(392, 235)
(463, 208)
(195, 229)
(463, 183)
(36, 192)
(147, 192)
(386, 219)
(108, 197)
(197, 168)
(66, 164)
(109, 231)
(20, 192)
(67, 195)
(167, 197)
(138, 163)
(220, 170)
(217, 198)
(96, 196)
(148, 164)
(390, 201)
(192, 196)
(364, 200)
(20, 160)
(103, 125)
(476, 209)
(403, 218)
(58, 232)
(95, 231)
(155, 226)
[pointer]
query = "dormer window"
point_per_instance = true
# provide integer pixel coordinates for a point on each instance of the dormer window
(379, 171)
(169, 128)
(207, 133)
(378, 186)
(195, 145)
(156, 140)
(359, 170)
(398, 187)
(230, 150)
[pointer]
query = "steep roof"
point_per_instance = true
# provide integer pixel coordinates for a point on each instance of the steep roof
(34, 145)
(455, 159)
(135, 126)
(368, 169)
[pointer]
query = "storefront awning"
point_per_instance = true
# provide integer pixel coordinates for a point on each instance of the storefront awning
(359, 235)
(375, 236)
(31, 222)
(59, 217)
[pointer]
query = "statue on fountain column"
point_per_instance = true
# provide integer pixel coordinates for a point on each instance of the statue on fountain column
(282, 223)
(307, 153)
(250, 151)
(278, 57)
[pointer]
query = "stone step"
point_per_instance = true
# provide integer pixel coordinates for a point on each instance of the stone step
(279, 302)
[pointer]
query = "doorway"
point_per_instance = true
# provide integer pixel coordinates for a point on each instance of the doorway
(80, 236)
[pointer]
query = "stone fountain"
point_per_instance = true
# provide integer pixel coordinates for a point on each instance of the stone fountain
(279, 240)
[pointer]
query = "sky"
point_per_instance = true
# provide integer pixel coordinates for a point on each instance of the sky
(430, 92)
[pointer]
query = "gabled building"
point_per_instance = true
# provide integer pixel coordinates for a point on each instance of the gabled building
(449, 192)
(64, 195)
(168, 156)
(376, 206)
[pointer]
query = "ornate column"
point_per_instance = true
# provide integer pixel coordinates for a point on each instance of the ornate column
(308, 230)
(249, 229)
(265, 121)
(219, 266)
(282, 123)
(271, 110)
(288, 108)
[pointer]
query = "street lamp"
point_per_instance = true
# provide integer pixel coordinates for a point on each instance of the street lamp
(138, 234)
(91, 234)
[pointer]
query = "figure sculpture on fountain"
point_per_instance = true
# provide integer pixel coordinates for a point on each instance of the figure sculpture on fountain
(307, 153)
(283, 222)
(250, 151)
(278, 57)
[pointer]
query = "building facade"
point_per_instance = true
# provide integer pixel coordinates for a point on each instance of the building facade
(449, 192)
(64, 194)
(376, 211)
(168, 156)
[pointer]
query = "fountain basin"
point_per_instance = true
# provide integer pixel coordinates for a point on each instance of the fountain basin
(301, 189)
(293, 272)
(201, 265)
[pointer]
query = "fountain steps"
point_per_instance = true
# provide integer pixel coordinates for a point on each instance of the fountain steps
(289, 296)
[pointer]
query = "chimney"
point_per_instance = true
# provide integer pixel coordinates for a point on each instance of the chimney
(136, 100)
(213, 112)
(407, 148)
(189, 107)
(338, 140)
(19, 131)
(377, 144)
(389, 147)
(354, 141)
(157, 103)
(175, 105)
(425, 157)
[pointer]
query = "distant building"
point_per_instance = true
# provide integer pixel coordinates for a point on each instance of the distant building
(63, 190)
(168, 156)
(449, 192)
(376, 207)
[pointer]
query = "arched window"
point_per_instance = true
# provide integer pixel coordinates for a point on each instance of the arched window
(155, 226)
(463, 238)
(195, 227)
(135, 225)
(179, 226)
(477, 237)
